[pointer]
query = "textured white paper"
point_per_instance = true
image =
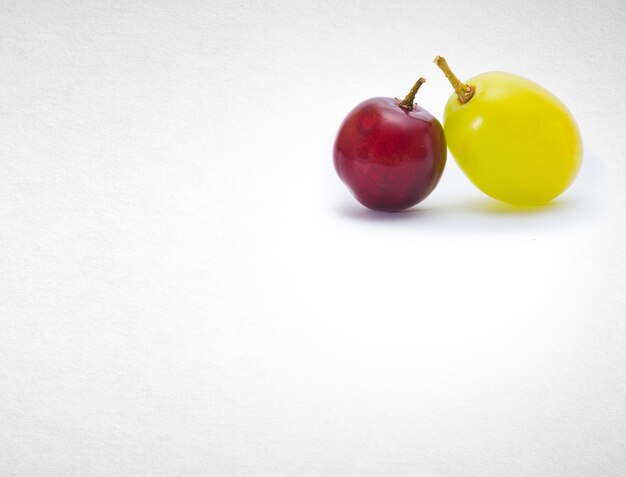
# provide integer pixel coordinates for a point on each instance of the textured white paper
(186, 288)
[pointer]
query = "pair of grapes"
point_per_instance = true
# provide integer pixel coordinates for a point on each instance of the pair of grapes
(512, 138)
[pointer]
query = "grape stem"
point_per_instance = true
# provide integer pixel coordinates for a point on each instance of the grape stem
(463, 91)
(407, 102)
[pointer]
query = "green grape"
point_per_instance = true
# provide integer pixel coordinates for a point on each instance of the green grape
(512, 138)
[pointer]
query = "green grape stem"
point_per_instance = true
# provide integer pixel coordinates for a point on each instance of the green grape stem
(463, 91)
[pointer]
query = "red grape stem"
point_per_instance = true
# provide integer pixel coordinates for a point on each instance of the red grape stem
(463, 91)
(407, 102)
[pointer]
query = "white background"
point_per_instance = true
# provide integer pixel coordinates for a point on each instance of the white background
(186, 288)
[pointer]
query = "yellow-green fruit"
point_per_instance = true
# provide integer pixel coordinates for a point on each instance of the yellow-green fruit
(514, 140)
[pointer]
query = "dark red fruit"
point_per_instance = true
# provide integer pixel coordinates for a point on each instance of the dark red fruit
(390, 153)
